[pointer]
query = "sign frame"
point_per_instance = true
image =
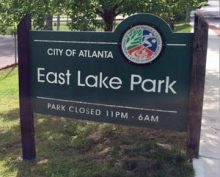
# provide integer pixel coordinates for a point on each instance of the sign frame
(195, 100)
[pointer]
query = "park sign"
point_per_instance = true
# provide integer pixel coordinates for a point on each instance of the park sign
(142, 74)
(137, 75)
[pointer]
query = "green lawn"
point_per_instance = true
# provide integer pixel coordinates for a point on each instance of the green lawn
(182, 28)
(179, 27)
(70, 148)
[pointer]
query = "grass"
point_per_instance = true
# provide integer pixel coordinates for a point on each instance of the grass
(71, 148)
(182, 28)
(179, 27)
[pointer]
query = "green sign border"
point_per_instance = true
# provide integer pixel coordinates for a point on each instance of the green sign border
(200, 41)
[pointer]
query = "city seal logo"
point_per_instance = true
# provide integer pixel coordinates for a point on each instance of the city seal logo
(141, 44)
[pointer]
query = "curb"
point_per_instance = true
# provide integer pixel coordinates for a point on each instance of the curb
(8, 66)
(215, 29)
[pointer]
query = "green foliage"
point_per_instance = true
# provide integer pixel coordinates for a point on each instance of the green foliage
(83, 14)
(173, 10)
(12, 11)
(6, 19)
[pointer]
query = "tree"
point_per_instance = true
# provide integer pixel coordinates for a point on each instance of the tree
(108, 10)
(42, 11)
(84, 13)
(6, 19)
(174, 10)
(171, 10)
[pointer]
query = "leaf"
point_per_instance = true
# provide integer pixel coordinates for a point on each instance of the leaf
(134, 39)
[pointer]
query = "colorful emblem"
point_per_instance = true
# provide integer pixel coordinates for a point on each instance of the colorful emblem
(141, 44)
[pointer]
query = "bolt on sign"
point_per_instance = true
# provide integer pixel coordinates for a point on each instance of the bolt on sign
(137, 75)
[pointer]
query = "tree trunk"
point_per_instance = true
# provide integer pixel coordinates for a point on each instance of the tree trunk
(108, 18)
(49, 23)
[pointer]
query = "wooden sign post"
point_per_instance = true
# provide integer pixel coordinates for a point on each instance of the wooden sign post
(197, 85)
(131, 76)
(25, 101)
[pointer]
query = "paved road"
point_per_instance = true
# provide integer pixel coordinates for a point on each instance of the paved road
(208, 164)
(7, 51)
